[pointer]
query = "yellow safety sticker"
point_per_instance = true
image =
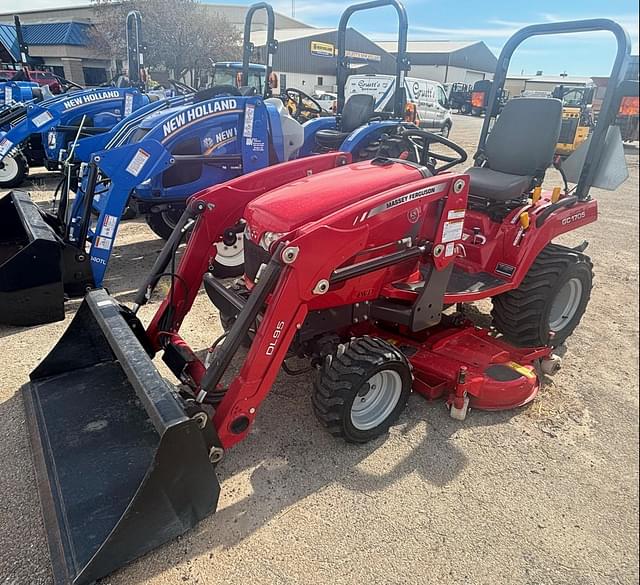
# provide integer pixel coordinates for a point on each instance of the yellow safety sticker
(521, 370)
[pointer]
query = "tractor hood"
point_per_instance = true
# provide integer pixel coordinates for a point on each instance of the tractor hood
(295, 204)
(156, 118)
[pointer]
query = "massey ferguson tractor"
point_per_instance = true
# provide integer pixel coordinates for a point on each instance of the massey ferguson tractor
(360, 268)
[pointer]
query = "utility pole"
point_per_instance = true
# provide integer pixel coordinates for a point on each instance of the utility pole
(293, 8)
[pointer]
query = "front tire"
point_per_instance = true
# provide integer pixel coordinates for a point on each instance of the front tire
(13, 171)
(361, 389)
(549, 303)
(162, 223)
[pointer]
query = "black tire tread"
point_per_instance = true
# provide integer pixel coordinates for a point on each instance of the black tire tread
(516, 314)
(337, 381)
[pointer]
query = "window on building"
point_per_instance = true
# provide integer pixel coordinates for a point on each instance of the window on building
(58, 70)
(94, 75)
(320, 81)
(283, 81)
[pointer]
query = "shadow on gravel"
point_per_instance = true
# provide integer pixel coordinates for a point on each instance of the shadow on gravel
(287, 458)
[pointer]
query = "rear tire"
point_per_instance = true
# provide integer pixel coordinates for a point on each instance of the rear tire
(465, 109)
(361, 391)
(552, 297)
(13, 171)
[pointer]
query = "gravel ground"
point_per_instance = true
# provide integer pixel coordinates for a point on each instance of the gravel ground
(546, 494)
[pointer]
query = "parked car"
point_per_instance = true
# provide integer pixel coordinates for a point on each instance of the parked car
(427, 103)
(327, 100)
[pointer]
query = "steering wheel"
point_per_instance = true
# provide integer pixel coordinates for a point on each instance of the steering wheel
(66, 84)
(415, 145)
(301, 105)
(180, 88)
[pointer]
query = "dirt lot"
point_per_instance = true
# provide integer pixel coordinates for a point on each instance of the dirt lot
(544, 495)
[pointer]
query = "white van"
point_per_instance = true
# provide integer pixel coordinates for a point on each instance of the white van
(426, 98)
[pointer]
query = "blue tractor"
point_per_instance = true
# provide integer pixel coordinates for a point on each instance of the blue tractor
(219, 134)
(26, 125)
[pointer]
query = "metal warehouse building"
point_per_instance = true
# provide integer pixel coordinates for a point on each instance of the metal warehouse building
(306, 57)
(448, 61)
(60, 39)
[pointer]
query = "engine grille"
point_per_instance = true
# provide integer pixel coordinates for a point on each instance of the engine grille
(254, 257)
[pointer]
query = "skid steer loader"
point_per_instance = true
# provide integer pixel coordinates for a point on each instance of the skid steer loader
(172, 153)
(350, 265)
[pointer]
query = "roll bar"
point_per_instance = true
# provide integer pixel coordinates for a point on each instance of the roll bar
(610, 103)
(135, 48)
(271, 44)
(23, 48)
(402, 62)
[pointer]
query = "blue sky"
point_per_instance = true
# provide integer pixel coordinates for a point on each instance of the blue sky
(490, 21)
(493, 22)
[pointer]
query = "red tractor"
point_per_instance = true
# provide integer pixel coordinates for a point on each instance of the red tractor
(359, 268)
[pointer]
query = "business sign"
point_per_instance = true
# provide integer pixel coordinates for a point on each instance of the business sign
(358, 56)
(322, 49)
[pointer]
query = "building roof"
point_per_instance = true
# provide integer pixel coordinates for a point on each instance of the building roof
(428, 46)
(45, 34)
(557, 79)
(259, 37)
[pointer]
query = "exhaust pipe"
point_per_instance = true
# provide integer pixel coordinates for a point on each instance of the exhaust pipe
(121, 466)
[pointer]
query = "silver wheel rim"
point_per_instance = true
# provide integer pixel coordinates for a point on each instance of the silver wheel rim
(230, 255)
(565, 305)
(8, 169)
(377, 400)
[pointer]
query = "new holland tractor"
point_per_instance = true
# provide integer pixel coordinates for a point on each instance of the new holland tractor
(170, 155)
(27, 127)
(350, 265)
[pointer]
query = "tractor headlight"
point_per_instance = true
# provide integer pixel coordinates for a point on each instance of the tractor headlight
(52, 138)
(146, 182)
(268, 238)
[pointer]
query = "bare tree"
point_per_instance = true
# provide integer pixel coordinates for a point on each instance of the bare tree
(181, 36)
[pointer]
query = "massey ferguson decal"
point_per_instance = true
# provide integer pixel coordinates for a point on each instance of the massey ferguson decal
(89, 98)
(403, 199)
(196, 113)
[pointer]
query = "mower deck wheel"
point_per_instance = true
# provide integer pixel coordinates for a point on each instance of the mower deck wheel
(459, 413)
(550, 301)
(361, 389)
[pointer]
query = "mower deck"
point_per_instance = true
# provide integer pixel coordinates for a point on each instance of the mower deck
(466, 361)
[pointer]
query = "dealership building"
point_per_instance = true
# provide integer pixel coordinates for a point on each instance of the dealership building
(61, 40)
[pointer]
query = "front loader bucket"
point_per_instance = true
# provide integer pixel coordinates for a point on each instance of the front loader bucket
(31, 282)
(120, 467)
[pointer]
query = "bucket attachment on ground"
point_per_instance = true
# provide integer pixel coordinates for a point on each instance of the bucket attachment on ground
(31, 289)
(37, 268)
(121, 467)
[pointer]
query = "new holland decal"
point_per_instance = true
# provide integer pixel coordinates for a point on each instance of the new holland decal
(98, 96)
(196, 113)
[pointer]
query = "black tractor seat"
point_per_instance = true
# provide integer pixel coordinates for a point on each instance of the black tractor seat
(519, 149)
(357, 111)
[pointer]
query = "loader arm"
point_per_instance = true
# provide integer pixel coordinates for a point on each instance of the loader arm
(215, 209)
(298, 278)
